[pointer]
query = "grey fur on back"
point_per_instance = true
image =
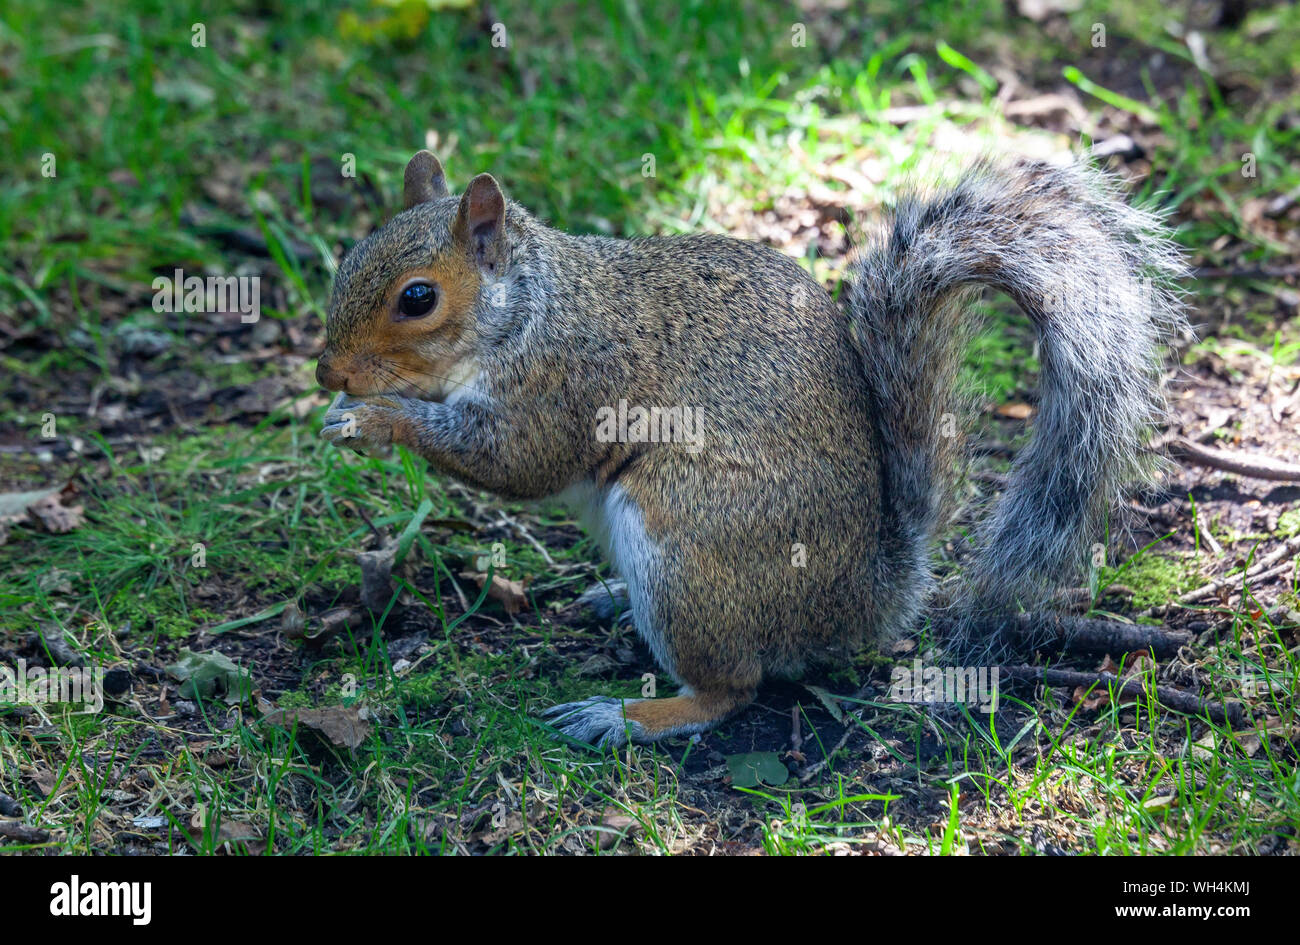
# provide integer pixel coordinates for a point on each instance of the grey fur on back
(1096, 276)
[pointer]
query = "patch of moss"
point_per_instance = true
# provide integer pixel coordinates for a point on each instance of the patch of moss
(159, 611)
(1155, 578)
(298, 699)
(1288, 524)
(1000, 359)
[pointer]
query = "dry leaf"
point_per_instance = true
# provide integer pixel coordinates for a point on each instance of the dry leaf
(1137, 665)
(377, 575)
(510, 825)
(1099, 697)
(511, 594)
(44, 506)
(232, 833)
(1016, 411)
(232, 836)
(1206, 745)
(319, 629)
(292, 623)
(343, 725)
(42, 778)
(55, 517)
(14, 505)
(619, 824)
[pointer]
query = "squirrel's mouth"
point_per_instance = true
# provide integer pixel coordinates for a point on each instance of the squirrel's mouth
(389, 383)
(431, 385)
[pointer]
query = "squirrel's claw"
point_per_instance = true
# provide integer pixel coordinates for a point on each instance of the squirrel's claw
(358, 424)
(597, 721)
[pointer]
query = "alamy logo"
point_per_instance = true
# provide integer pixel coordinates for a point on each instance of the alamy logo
(182, 293)
(969, 684)
(102, 899)
(76, 685)
(636, 424)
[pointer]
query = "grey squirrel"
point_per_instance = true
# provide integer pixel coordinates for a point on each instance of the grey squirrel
(795, 521)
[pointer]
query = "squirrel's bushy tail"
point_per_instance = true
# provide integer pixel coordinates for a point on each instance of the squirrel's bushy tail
(1096, 276)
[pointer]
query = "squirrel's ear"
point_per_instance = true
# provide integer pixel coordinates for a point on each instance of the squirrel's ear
(481, 221)
(423, 180)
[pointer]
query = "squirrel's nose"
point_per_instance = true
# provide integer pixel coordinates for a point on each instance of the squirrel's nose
(328, 377)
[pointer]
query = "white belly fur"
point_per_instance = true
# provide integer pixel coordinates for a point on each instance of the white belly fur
(613, 518)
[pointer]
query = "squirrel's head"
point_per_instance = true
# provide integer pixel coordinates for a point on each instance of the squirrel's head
(402, 314)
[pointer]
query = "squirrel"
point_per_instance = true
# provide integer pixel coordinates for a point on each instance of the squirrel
(782, 507)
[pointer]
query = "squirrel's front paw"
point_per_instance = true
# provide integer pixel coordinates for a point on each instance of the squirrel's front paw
(361, 424)
(598, 721)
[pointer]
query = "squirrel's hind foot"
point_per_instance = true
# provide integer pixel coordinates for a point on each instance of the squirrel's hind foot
(607, 599)
(604, 720)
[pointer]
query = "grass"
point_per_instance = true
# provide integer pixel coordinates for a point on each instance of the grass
(159, 146)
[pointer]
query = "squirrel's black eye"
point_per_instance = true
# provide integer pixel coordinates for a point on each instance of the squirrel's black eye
(417, 300)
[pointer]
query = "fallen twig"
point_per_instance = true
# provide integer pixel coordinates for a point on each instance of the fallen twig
(21, 833)
(1082, 634)
(527, 536)
(1207, 536)
(1280, 570)
(815, 769)
(1259, 467)
(1176, 699)
(1261, 569)
(1289, 547)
